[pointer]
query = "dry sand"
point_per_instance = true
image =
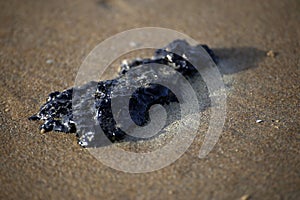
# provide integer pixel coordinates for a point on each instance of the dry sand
(251, 160)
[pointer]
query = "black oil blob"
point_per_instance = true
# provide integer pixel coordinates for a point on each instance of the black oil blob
(57, 112)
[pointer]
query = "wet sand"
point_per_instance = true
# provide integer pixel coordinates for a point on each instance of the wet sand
(253, 160)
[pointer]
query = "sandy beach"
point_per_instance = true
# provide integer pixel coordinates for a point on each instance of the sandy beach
(43, 44)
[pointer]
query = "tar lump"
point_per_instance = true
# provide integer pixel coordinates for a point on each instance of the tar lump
(58, 114)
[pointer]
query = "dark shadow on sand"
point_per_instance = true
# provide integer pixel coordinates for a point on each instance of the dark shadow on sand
(237, 59)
